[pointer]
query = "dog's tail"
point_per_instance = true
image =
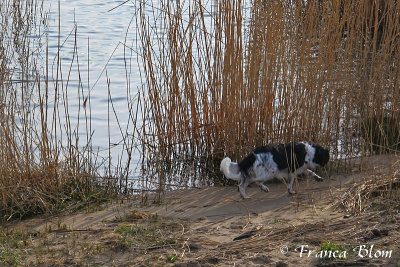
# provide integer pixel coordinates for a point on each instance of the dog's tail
(230, 169)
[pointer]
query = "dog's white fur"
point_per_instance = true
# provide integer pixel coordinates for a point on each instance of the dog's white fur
(265, 168)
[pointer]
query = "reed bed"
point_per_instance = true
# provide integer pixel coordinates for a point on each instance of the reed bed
(227, 77)
(43, 164)
(218, 79)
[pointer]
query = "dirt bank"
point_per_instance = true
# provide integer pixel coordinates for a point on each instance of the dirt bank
(214, 226)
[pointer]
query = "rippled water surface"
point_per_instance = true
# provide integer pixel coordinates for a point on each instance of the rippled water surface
(98, 57)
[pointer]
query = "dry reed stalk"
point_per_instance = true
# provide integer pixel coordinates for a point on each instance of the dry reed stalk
(39, 171)
(224, 80)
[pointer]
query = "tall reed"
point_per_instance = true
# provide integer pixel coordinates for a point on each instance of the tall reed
(43, 165)
(227, 78)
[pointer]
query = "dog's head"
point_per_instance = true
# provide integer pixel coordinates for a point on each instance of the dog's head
(321, 156)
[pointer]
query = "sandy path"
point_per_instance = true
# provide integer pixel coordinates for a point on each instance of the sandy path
(213, 204)
(225, 230)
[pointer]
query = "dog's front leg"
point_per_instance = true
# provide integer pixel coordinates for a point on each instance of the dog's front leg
(313, 174)
(290, 185)
(263, 187)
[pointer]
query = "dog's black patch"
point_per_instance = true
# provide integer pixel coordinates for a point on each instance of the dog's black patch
(264, 149)
(248, 161)
(321, 156)
(290, 156)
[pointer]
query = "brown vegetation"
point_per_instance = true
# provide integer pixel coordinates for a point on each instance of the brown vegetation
(220, 82)
(42, 163)
(227, 79)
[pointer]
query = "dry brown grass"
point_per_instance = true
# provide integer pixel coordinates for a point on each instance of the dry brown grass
(323, 71)
(219, 82)
(380, 192)
(43, 165)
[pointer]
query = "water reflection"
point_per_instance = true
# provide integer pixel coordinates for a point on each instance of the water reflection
(94, 61)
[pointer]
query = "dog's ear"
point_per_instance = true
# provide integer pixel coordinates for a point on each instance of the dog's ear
(321, 156)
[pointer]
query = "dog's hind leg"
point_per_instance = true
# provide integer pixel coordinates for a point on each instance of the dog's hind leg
(263, 187)
(313, 174)
(244, 182)
(290, 185)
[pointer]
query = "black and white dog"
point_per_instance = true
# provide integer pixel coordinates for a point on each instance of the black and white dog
(281, 161)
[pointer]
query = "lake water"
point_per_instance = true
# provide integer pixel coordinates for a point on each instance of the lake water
(95, 60)
(100, 57)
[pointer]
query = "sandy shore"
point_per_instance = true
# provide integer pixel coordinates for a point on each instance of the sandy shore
(214, 226)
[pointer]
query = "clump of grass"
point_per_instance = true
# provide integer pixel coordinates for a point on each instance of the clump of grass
(132, 230)
(331, 246)
(171, 259)
(148, 233)
(12, 247)
(8, 257)
(139, 235)
(330, 251)
(61, 226)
